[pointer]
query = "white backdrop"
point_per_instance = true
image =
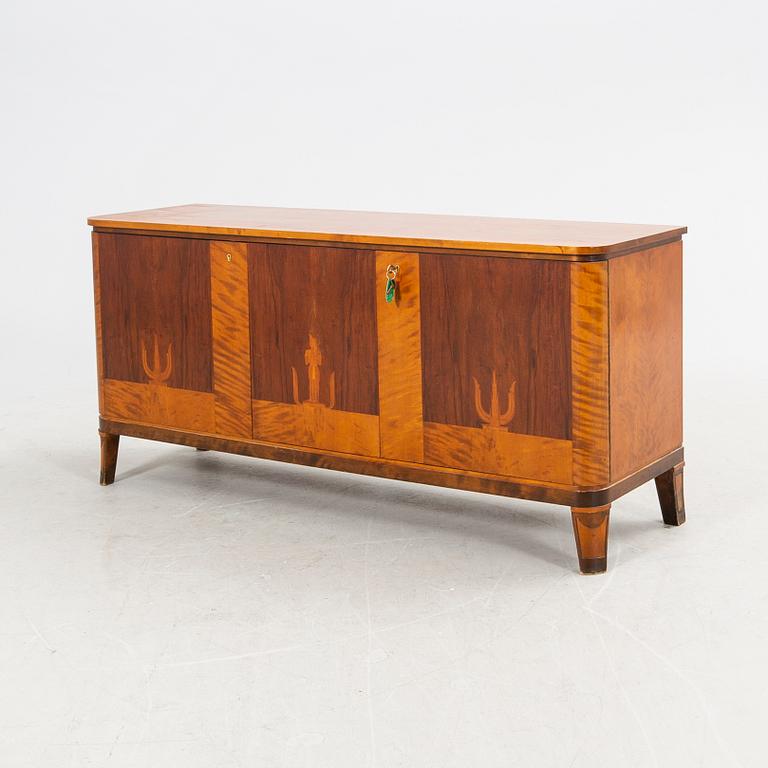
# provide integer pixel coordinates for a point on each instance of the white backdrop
(652, 112)
(649, 112)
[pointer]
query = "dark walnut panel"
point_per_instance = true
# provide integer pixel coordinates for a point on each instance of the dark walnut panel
(496, 343)
(313, 326)
(156, 310)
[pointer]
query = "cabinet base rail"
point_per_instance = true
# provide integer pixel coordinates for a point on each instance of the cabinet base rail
(587, 505)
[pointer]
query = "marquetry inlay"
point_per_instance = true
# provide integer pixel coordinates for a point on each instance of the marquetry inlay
(155, 373)
(313, 359)
(493, 418)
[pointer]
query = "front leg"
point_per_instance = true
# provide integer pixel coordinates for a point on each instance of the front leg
(590, 527)
(669, 486)
(109, 446)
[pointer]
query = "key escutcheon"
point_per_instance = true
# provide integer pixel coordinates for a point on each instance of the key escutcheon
(390, 289)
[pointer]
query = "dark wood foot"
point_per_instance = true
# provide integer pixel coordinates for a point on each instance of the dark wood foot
(109, 446)
(669, 486)
(590, 527)
(201, 449)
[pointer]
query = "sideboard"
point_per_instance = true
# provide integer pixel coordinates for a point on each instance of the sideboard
(535, 359)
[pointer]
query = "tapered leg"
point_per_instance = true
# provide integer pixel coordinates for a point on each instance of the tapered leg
(109, 446)
(669, 486)
(590, 527)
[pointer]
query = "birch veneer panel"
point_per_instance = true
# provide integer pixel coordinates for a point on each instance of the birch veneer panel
(534, 359)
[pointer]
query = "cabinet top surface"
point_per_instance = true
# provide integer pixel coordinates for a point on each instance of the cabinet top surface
(566, 238)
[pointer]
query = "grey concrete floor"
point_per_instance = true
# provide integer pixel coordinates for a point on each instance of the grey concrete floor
(212, 610)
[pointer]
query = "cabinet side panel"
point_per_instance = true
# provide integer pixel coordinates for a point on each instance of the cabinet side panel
(646, 385)
(97, 315)
(401, 419)
(231, 338)
(589, 354)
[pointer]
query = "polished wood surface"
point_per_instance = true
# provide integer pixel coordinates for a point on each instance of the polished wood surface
(359, 246)
(495, 339)
(498, 452)
(589, 383)
(97, 317)
(155, 307)
(316, 426)
(590, 528)
(110, 444)
(553, 379)
(646, 379)
(313, 326)
(401, 416)
(669, 486)
(231, 338)
(159, 405)
(558, 238)
(448, 477)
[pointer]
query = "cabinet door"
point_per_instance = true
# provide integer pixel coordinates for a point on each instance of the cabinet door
(313, 347)
(172, 317)
(496, 367)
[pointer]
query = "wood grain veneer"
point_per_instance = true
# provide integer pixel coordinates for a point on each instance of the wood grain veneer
(540, 360)
(163, 406)
(590, 528)
(447, 477)
(155, 292)
(401, 420)
(646, 371)
(590, 374)
(403, 229)
(316, 426)
(483, 317)
(301, 293)
(99, 325)
(109, 444)
(499, 452)
(230, 316)
(669, 486)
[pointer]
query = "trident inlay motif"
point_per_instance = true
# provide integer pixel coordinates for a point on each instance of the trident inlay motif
(494, 419)
(156, 374)
(313, 359)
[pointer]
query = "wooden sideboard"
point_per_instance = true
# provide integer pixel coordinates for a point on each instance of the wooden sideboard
(534, 359)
